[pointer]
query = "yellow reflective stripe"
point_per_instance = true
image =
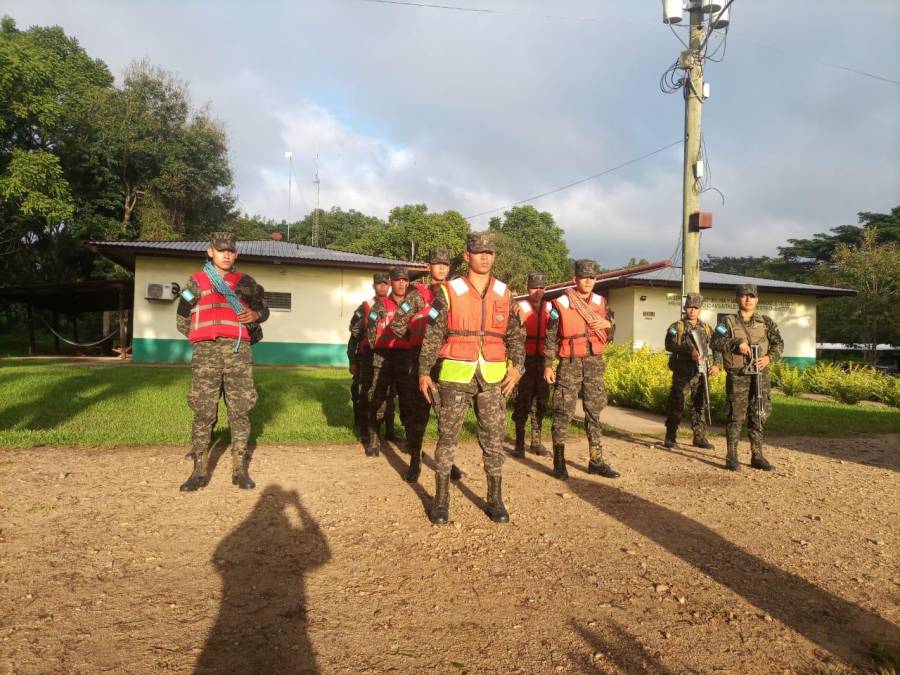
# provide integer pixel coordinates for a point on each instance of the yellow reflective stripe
(458, 371)
(492, 371)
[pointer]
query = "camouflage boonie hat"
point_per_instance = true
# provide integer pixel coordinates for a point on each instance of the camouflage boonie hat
(381, 278)
(481, 242)
(585, 268)
(693, 300)
(537, 280)
(223, 241)
(438, 256)
(399, 273)
(745, 289)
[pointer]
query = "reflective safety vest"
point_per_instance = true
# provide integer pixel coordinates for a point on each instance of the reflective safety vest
(756, 333)
(212, 316)
(535, 326)
(576, 339)
(419, 322)
(384, 336)
(476, 331)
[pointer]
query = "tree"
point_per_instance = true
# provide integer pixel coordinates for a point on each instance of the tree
(338, 229)
(531, 242)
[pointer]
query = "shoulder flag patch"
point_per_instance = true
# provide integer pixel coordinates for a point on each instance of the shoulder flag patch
(404, 307)
(722, 328)
(673, 330)
(373, 315)
(433, 313)
(553, 313)
(358, 314)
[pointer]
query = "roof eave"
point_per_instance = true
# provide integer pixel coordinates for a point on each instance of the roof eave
(674, 283)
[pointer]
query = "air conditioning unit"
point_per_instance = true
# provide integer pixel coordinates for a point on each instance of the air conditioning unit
(161, 291)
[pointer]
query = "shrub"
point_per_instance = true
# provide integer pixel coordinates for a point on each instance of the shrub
(850, 385)
(787, 378)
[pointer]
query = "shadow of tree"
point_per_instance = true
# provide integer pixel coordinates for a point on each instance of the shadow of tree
(835, 624)
(262, 624)
(618, 646)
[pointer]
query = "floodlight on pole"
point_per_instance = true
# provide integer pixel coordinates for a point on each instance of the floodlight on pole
(289, 156)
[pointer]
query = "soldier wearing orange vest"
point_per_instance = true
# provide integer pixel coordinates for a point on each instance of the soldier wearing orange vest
(577, 334)
(410, 322)
(220, 311)
(531, 399)
(359, 355)
(390, 361)
(474, 327)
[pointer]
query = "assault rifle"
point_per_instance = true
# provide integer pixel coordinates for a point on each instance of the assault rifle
(703, 369)
(753, 370)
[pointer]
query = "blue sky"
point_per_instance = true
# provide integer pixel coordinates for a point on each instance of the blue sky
(473, 111)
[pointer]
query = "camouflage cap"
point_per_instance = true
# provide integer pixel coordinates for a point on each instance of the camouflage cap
(745, 289)
(381, 278)
(438, 256)
(481, 242)
(585, 268)
(536, 280)
(223, 241)
(399, 273)
(693, 300)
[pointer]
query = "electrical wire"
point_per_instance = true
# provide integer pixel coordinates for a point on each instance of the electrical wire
(579, 181)
(481, 10)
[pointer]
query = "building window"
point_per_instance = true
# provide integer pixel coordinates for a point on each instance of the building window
(280, 302)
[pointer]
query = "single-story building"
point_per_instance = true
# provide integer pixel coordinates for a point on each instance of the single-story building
(312, 293)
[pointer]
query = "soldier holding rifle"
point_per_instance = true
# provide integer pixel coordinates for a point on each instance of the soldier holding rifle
(687, 340)
(577, 334)
(748, 342)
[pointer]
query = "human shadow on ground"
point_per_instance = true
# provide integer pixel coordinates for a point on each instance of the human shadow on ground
(849, 449)
(835, 624)
(262, 623)
(618, 646)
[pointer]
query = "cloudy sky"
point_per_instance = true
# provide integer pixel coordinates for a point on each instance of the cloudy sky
(473, 110)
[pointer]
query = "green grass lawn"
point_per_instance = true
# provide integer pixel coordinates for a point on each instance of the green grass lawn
(57, 404)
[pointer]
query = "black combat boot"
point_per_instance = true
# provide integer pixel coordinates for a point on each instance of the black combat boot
(520, 441)
(415, 465)
(495, 507)
(440, 509)
(597, 466)
(731, 457)
(671, 436)
(536, 446)
(758, 461)
(559, 461)
(240, 476)
(373, 445)
(700, 440)
(456, 473)
(198, 477)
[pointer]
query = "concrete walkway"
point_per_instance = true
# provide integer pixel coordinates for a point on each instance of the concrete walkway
(637, 422)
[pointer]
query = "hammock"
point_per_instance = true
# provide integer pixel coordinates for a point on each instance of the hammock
(78, 344)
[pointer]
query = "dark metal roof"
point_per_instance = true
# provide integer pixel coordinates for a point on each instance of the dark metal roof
(262, 250)
(671, 276)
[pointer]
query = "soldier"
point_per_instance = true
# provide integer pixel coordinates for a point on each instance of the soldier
(749, 400)
(683, 364)
(359, 354)
(474, 327)
(577, 333)
(390, 361)
(220, 311)
(533, 388)
(409, 322)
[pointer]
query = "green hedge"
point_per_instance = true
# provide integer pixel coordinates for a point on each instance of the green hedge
(847, 385)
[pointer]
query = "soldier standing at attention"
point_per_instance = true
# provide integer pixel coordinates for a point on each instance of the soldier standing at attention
(475, 329)
(533, 388)
(683, 364)
(390, 360)
(359, 354)
(733, 338)
(577, 333)
(220, 311)
(410, 322)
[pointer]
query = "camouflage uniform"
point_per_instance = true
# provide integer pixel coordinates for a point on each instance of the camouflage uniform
(454, 398)
(577, 375)
(686, 376)
(533, 391)
(739, 388)
(217, 370)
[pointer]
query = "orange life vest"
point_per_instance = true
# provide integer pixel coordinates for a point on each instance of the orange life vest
(212, 317)
(535, 326)
(384, 336)
(419, 322)
(475, 324)
(576, 339)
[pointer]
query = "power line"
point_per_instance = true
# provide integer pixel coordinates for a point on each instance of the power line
(481, 10)
(580, 181)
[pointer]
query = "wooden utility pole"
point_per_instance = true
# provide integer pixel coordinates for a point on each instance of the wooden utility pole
(692, 63)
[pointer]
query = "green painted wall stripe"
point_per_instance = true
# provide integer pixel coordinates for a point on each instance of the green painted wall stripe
(800, 362)
(147, 350)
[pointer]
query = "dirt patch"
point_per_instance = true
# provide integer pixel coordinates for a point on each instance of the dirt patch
(331, 564)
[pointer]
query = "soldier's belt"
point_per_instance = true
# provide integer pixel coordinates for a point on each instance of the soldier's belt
(475, 333)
